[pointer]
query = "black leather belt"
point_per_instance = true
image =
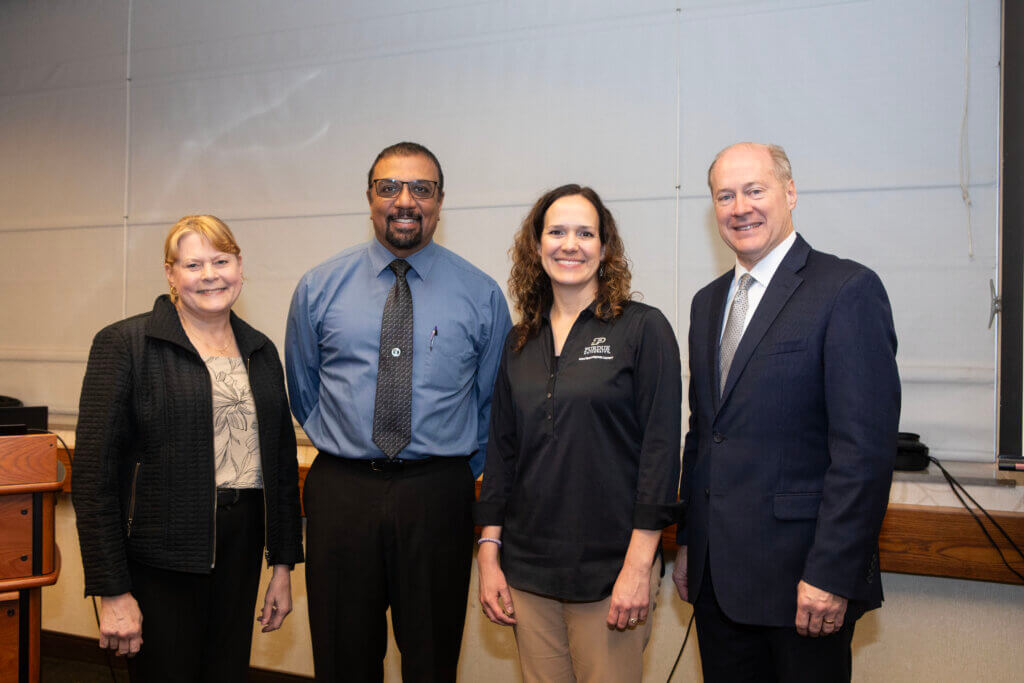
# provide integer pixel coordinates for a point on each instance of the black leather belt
(392, 465)
(387, 464)
(232, 496)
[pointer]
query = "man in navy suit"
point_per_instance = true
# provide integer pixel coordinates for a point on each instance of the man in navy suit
(794, 410)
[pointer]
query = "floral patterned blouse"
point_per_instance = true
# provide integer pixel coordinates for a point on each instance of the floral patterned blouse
(236, 441)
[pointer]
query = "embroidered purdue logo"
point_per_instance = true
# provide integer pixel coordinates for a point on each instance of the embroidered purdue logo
(597, 350)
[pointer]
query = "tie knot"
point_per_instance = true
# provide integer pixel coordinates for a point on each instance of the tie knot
(399, 267)
(745, 281)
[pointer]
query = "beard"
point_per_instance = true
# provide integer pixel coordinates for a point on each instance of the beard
(404, 238)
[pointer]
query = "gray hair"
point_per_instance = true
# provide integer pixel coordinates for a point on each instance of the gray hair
(781, 167)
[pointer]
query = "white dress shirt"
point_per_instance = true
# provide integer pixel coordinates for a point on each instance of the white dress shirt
(762, 274)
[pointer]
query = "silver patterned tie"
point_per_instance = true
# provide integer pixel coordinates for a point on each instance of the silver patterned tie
(392, 407)
(733, 329)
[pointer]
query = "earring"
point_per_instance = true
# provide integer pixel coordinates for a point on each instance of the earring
(600, 271)
(174, 294)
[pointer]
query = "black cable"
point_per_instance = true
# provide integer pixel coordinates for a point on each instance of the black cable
(680, 655)
(954, 485)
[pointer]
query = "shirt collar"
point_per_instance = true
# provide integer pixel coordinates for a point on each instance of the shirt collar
(590, 310)
(422, 261)
(764, 270)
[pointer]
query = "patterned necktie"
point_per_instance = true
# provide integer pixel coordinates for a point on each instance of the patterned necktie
(733, 329)
(392, 408)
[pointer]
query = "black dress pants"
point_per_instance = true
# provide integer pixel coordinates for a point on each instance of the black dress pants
(401, 538)
(198, 627)
(731, 652)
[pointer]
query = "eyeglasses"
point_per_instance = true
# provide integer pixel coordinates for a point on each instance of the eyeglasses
(389, 188)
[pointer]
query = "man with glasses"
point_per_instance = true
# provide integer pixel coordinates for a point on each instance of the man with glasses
(392, 349)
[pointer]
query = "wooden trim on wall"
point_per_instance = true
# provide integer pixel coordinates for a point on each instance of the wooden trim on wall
(916, 539)
(929, 540)
(946, 541)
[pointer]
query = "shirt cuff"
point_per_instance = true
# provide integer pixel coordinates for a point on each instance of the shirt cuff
(655, 516)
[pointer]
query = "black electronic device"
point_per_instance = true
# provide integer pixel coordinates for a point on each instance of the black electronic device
(911, 454)
(21, 419)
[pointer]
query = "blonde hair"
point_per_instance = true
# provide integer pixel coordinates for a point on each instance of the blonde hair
(210, 228)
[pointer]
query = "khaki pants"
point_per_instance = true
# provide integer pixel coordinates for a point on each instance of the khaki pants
(561, 641)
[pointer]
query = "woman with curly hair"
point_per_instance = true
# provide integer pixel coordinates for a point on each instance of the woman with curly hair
(583, 457)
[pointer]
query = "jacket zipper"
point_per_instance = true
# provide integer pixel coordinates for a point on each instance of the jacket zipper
(213, 550)
(263, 480)
(131, 499)
(213, 465)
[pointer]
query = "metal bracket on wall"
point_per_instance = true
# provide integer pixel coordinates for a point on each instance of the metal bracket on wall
(996, 305)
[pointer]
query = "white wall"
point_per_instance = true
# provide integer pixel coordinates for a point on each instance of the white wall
(268, 113)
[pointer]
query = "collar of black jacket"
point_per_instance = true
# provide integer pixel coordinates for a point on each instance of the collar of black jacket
(165, 324)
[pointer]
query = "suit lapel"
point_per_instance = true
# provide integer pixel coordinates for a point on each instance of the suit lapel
(783, 284)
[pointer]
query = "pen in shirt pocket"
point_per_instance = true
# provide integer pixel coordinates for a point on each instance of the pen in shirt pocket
(433, 336)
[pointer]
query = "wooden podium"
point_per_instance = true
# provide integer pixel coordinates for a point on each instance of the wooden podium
(30, 480)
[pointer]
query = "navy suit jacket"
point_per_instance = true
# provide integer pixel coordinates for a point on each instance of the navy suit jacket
(786, 476)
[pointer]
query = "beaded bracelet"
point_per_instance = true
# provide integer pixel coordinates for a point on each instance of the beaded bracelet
(489, 540)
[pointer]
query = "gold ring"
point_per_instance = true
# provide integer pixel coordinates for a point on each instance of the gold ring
(634, 621)
(829, 621)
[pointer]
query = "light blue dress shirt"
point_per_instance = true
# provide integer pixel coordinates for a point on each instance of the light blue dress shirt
(460, 320)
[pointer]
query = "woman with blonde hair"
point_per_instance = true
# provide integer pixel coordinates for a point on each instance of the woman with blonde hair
(185, 472)
(583, 457)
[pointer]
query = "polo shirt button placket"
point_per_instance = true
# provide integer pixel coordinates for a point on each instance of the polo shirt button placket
(549, 410)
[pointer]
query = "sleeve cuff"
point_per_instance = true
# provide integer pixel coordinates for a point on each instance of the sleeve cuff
(488, 514)
(115, 586)
(655, 516)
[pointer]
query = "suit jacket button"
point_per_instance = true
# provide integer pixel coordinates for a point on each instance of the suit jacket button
(717, 438)
(707, 493)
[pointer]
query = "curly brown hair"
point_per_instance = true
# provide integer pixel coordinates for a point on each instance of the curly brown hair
(530, 287)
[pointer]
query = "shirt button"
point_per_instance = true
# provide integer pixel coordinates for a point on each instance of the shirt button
(549, 416)
(549, 394)
(717, 438)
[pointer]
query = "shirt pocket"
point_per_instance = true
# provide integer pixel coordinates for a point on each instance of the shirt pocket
(450, 361)
(797, 505)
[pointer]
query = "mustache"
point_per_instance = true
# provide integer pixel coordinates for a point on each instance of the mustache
(405, 213)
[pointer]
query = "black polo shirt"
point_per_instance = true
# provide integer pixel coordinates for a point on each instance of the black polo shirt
(583, 449)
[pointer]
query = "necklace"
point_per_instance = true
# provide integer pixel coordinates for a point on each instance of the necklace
(194, 336)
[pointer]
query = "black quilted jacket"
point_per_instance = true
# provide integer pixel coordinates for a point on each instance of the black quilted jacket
(143, 483)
